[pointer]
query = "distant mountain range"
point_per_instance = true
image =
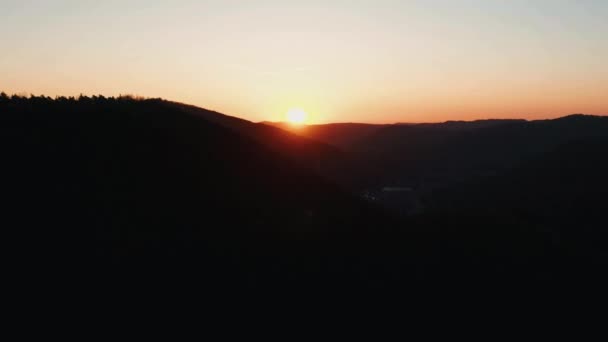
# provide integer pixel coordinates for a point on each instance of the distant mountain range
(431, 155)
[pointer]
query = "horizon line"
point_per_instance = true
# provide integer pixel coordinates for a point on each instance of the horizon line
(142, 97)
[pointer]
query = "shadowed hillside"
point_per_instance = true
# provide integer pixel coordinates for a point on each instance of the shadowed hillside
(311, 153)
(562, 192)
(438, 153)
(150, 184)
(341, 135)
(425, 157)
(126, 185)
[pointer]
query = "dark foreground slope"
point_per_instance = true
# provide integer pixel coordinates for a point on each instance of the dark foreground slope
(141, 183)
(309, 152)
(125, 186)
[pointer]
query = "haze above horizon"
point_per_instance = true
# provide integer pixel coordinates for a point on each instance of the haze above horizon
(375, 61)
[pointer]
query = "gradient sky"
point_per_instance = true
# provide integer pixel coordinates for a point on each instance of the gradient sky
(340, 60)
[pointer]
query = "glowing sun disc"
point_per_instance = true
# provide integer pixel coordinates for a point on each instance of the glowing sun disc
(296, 116)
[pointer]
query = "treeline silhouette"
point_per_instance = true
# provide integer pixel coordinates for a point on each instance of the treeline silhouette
(146, 186)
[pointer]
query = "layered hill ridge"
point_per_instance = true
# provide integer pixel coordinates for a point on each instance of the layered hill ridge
(156, 185)
(150, 178)
(308, 152)
(433, 155)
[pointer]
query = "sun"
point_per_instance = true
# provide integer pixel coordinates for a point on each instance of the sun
(296, 116)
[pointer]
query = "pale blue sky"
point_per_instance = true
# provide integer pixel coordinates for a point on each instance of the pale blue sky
(374, 61)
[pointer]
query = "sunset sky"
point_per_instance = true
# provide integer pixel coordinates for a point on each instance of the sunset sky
(374, 61)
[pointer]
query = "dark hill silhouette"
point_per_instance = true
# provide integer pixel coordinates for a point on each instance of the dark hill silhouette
(126, 185)
(348, 135)
(341, 135)
(436, 155)
(307, 152)
(152, 185)
(538, 186)
(563, 191)
(474, 148)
